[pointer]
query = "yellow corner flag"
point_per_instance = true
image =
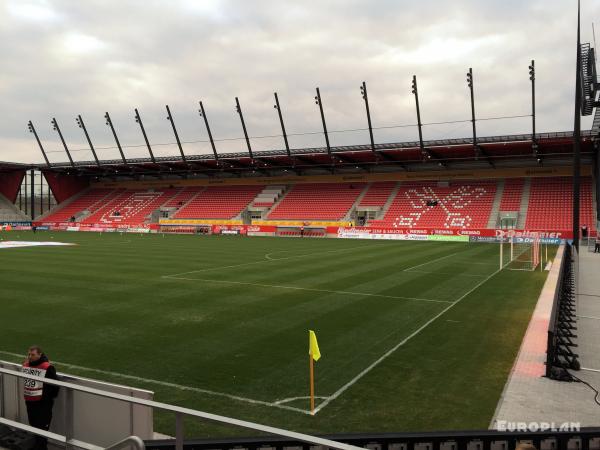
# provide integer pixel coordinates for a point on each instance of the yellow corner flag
(314, 354)
(313, 345)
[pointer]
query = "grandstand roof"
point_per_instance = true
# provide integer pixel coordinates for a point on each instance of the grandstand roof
(495, 151)
(11, 167)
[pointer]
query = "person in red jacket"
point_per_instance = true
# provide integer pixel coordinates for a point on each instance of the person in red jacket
(39, 397)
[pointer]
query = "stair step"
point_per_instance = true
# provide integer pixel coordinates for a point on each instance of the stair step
(524, 204)
(493, 220)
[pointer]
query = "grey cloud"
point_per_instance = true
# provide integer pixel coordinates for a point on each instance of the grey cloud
(146, 54)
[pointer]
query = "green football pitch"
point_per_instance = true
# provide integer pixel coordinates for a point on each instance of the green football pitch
(413, 335)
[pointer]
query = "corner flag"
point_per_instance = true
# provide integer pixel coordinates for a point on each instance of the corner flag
(313, 345)
(314, 354)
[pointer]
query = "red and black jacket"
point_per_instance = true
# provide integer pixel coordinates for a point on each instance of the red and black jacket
(35, 391)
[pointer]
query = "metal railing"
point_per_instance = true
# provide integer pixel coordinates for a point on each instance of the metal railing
(583, 439)
(178, 411)
(559, 353)
(131, 442)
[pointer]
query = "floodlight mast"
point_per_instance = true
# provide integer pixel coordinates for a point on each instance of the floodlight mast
(62, 139)
(365, 96)
(238, 108)
(534, 144)
(112, 128)
(532, 79)
(170, 119)
(470, 84)
(415, 91)
(32, 195)
(212, 142)
(32, 130)
(81, 125)
(577, 135)
(138, 119)
(285, 139)
(320, 104)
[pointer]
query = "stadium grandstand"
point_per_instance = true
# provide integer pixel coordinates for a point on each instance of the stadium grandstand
(448, 289)
(398, 191)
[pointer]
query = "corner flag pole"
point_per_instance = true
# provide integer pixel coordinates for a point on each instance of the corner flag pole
(313, 355)
(312, 383)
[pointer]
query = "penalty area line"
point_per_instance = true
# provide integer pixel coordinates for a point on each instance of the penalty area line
(172, 385)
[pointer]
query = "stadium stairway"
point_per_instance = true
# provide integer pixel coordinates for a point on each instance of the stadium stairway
(390, 200)
(95, 206)
(81, 205)
(10, 212)
(62, 205)
(183, 196)
(524, 204)
(350, 214)
(493, 221)
(268, 196)
(285, 192)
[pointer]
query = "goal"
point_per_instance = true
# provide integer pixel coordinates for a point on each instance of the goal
(518, 253)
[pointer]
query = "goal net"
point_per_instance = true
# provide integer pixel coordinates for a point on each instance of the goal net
(519, 253)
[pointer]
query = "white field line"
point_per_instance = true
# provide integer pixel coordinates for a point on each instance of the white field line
(349, 384)
(267, 260)
(311, 289)
(268, 255)
(477, 263)
(446, 273)
(590, 370)
(172, 385)
(291, 399)
(408, 269)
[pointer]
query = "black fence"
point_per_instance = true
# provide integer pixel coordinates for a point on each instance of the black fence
(583, 439)
(560, 352)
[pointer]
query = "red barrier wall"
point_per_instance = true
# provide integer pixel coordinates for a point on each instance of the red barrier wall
(65, 186)
(10, 183)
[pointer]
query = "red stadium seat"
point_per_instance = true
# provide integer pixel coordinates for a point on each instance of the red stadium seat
(460, 205)
(325, 201)
(550, 204)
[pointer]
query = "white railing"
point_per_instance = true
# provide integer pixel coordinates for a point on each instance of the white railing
(132, 442)
(179, 412)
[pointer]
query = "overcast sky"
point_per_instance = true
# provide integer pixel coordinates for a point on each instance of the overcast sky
(62, 58)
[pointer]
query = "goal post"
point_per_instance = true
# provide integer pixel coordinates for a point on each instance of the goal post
(520, 253)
